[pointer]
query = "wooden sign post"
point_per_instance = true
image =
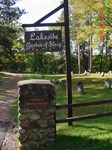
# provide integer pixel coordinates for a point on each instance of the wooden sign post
(67, 46)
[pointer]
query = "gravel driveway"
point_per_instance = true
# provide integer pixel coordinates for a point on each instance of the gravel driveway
(8, 91)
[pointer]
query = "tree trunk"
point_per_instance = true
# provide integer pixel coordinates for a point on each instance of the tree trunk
(79, 62)
(90, 60)
(106, 63)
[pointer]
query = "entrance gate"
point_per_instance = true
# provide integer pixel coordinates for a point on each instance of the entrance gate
(67, 46)
(70, 119)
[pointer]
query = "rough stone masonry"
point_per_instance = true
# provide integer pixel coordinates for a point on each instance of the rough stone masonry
(36, 117)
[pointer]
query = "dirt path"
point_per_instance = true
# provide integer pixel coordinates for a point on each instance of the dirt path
(9, 91)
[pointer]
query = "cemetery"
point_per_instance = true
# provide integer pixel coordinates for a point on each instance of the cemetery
(56, 82)
(94, 90)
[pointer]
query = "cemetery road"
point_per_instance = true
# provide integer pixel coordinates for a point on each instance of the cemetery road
(8, 91)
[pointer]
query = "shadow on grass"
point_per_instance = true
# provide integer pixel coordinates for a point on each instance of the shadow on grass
(96, 127)
(64, 142)
(91, 94)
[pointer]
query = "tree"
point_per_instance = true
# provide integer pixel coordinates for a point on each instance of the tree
(8, 21)
(8, 26)
(85, 23)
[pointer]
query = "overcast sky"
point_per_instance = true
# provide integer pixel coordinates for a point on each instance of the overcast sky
(36, 9)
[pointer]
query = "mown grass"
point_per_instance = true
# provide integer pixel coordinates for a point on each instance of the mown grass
(94, 134)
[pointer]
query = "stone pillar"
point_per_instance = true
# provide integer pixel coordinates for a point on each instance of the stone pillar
(36, 117)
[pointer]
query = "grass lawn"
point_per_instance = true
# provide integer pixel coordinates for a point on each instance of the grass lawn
(93, 134)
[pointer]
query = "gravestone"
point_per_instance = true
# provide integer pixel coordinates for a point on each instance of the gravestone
(80, 87)
(36, 117)
(107, 83)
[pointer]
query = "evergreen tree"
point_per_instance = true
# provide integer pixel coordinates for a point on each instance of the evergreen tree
(9, 30)
(8, 20)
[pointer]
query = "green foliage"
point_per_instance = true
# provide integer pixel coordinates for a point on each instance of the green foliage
(84, 30)
(85, 20)
(50, 63)
(9, 29)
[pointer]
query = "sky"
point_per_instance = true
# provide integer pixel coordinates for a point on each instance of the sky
(36, 9)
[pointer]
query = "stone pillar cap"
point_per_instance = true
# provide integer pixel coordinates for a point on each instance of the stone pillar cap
(34, 81)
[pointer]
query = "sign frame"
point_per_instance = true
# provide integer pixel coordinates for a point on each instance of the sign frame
(43, 41)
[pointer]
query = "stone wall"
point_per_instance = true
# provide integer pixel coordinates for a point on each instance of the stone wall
(36, 117)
